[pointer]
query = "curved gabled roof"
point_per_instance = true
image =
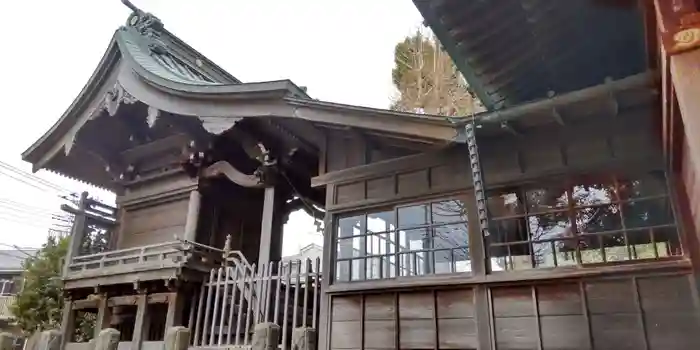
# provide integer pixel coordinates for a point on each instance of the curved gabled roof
(146, 63)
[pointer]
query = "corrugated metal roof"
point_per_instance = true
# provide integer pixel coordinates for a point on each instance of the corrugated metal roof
(514, 51)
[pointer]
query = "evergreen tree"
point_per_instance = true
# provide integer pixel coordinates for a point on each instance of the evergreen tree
(428, 81)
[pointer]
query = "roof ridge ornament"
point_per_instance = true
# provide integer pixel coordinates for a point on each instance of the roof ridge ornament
(144, 22)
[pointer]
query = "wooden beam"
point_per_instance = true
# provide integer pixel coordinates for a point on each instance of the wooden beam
(176, 304)
(104, 314)
(85, 304)
(141, 322)
(234, 175)
(125, 300)
(67, 323)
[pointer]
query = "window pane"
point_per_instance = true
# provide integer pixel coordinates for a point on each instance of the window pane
(374, 268)
(350, 226)
(645, 213)
(549, 226)
(380, 222)
(381, 243)
(592, 191)
(449, 211)
(450, 236)
(599, 219)
(546, 199)
(342, 271)
(413, 216)
(351, 247)
(414, 263)
(505, 204)
(416, 239)
(652, 184)
(358, 270)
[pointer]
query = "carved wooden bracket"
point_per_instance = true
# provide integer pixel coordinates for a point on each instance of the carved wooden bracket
(678, 22)
(234, 175)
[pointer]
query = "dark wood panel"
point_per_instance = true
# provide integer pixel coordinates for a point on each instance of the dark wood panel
(350, 193)
(564, 332)
(617, 332)
(380, 334)
(609, 297)
(413, 183)
(665, 294)
(416, 334)
(455, 303)
(347, 308)
(383, 187)
(515, 301)
(673, 331)
(416, 305)
(457, 333)
(559, 299)
(380, 307)
(346, 335)
(516, 333)
(451, 176)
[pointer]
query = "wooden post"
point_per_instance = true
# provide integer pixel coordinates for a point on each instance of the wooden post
(192, 216)
(267, 226)
(78, 231)
(67, 323)
(104, 313)
(175, 307)
(142, 321)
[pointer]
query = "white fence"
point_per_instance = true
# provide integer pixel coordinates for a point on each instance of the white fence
(239, 295)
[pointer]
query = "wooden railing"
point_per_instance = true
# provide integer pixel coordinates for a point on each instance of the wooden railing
(162, 255)
(238, 296)
(5, 302)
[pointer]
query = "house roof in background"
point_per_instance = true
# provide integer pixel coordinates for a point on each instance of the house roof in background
(517, 51)
(11, 260)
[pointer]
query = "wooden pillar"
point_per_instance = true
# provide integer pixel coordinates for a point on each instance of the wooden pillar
(67, 323)
(192, 216)
(176, 303)
(267, 226)
(142, 321)
(77, 233)
(104, 314)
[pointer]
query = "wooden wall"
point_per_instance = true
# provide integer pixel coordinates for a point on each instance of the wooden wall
(584, 145)
(631, 312)
(154, 211)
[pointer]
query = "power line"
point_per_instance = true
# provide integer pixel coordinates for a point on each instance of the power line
(34, 177)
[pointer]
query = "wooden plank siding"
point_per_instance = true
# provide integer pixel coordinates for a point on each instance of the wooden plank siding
(592, 145)
(646, 311)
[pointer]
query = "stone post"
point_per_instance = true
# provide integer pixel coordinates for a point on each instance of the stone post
(107, 339)
(304, 338)
(7, 340)
(48, 340)
(266, 336)
(176, 338)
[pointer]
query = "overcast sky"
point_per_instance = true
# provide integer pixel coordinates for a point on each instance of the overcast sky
(342, 51)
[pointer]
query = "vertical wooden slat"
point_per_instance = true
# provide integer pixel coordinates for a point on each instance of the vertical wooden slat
(586, 313)
(207, 310)
(241, 300)
(536, 305)
(483, 316)
(285, 321)
(232, 307)
(215, 315)
(362, 321)
(278, 286)
(193, 309)
(397, 322)
(307, 274)
(251, 278)
(297, 285)
(268, 294)
(142, 321)
(224, 298)
(67, 323)
(317, 280)
(436, 328)
(103, 315)
(638, 304)
(200, 309)
(174, 313)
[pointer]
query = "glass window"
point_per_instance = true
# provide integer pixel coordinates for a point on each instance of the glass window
(413, 240)
(579, 221)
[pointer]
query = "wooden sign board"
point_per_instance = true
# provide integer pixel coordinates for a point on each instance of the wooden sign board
(679, 25)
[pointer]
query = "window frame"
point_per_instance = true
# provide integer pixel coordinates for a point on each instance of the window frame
(571, 210)
(469, 220)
